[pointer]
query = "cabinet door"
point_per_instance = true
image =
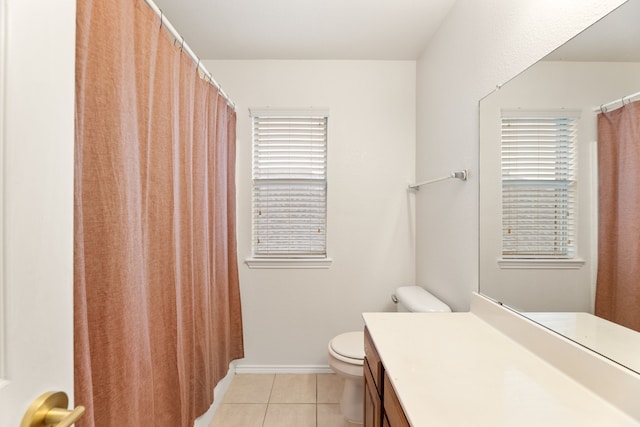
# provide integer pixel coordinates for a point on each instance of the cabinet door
(375, 364)
(372, 401)
(392, 408)
(385, 422)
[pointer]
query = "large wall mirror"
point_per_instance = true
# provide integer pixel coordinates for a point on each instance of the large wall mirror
(564, 91)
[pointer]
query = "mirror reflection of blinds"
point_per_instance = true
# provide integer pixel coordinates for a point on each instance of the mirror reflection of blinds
(290, 186)
(538, 186)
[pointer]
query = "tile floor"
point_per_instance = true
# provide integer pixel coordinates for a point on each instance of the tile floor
(282, 400)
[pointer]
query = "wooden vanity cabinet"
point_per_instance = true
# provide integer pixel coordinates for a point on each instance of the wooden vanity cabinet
(381, 405)
(393, 412)
(372, 401)
(373, 383)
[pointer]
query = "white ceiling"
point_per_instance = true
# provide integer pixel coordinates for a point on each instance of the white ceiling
(306, 29)
(613, 39)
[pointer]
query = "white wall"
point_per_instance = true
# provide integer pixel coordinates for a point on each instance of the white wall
(480, 45)
(290, 315)
(577, 86)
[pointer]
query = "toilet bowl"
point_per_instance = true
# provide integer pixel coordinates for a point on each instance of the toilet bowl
(346, 358)
(346, 351)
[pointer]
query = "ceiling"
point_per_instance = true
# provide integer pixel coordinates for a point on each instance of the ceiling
(612, 39)
(306, 29)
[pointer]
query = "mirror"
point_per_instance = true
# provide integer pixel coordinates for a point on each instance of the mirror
(600, 65)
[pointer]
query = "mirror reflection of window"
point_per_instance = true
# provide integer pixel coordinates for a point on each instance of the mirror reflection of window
(538, 164)
(600, 65)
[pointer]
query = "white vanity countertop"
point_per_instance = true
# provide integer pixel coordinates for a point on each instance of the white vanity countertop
(455, 369)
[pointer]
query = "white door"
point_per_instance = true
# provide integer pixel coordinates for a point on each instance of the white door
(36, 284)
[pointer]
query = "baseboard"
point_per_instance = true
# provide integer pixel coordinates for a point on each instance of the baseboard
(283, 369)
(219, 391)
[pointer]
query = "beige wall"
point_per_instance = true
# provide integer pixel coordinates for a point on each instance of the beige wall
(480, 45)
(290, 315)
(377, 134)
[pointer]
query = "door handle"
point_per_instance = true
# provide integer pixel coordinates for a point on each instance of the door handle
(50, 410)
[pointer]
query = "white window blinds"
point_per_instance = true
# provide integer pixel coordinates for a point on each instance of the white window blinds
(289, 184)
(538, 185)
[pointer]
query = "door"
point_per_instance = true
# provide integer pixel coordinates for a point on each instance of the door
(37, 123)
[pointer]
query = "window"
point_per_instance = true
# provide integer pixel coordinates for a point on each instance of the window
(289, 184)
(538, 185)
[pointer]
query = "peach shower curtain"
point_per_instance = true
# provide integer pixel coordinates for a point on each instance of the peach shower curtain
(618, 283)
(157, 304)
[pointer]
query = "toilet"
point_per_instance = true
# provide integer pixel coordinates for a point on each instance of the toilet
(346, 351)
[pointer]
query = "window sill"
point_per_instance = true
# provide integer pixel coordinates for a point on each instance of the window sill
(549, 264)
(286, 263)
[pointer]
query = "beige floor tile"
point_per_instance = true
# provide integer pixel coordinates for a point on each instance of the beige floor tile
(294, 388)
(239, 415)
(329, 388)
(329, 415)
(250, 388)
(290, 415)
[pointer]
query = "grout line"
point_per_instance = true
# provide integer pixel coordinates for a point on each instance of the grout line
(264, 416)
(273, 384)
(269, 403)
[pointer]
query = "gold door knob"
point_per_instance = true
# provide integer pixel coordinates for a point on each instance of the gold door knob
(50, 410)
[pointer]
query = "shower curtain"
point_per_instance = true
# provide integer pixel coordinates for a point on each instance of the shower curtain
(618, 282)
(157, 306)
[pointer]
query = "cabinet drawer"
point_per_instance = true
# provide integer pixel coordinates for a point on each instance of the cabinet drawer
(373, 360)
(392, 408)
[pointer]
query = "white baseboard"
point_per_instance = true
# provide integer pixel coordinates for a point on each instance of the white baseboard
(283, 369)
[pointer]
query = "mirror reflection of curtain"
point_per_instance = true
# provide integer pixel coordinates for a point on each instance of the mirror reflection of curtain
(618, 283)
(157, 302)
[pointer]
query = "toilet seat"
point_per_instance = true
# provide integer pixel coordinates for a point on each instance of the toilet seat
(346, 359)
(348, 347)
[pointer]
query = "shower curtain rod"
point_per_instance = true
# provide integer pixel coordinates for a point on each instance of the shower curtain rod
(462, 175)
(622, 101)
(164, 22)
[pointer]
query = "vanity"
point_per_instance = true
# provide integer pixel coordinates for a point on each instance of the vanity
(488, 367)
(381, 403)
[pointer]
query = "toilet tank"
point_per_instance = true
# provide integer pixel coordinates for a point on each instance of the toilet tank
(418, 300)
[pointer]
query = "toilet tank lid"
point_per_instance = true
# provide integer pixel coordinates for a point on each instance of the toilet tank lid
(419, 300)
